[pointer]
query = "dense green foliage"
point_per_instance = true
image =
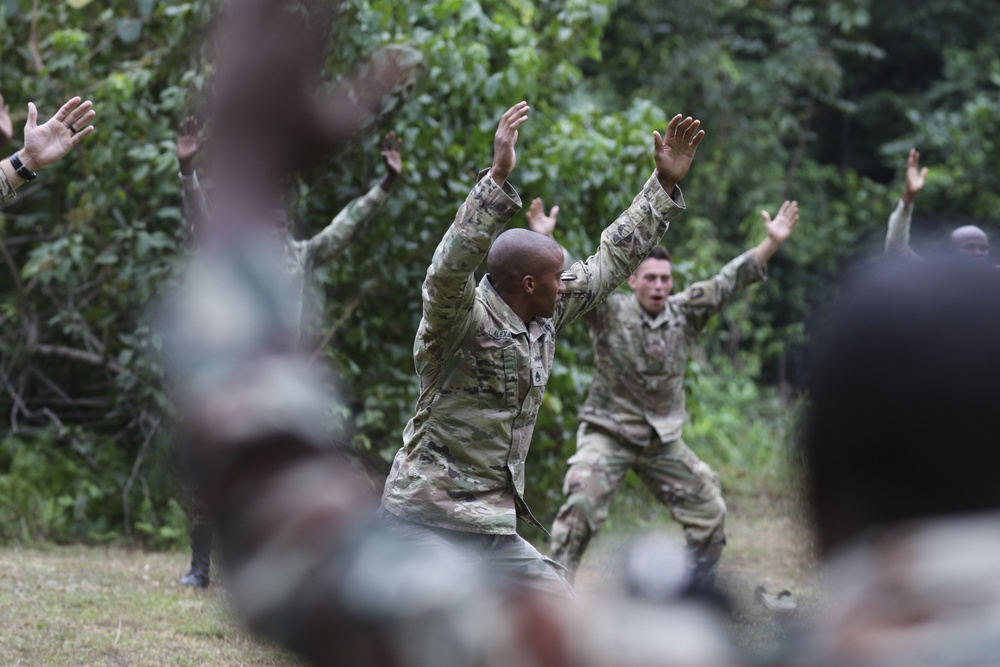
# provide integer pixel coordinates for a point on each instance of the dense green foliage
(816, 100)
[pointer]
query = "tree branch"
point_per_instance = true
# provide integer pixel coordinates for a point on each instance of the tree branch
(351, 307)
(78, 355)
(36, 58)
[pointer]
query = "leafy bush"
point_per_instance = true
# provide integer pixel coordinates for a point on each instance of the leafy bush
(810, 100)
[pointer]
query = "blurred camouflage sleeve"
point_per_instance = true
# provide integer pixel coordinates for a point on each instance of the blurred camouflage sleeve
(336, 236)
(897, 236)
(7, 191)
(193, 202)
(449, 289)
(624, 244)
(704, 299)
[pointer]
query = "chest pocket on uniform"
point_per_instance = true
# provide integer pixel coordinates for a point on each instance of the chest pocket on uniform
(496, 374)
(663, 348)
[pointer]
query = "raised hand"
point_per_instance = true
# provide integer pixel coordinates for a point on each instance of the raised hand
(6, 127)
(391, 146)
(780, 228)
(915, 177)
(44, 144)
(674, 151)
(188, 144)
(538, 221)
(505, 139)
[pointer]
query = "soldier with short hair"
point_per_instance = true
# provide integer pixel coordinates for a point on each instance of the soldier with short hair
(483, 354)
(634, 413)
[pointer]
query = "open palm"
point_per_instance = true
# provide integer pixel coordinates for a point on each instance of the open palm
(44, 144)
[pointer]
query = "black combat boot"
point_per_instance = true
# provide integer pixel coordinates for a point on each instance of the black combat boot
(706, 564)
(201, 552)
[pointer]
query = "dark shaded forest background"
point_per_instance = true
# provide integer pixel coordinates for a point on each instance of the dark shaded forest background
(814, 100)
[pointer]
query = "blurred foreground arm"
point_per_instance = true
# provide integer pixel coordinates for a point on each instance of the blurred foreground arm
(309, 565)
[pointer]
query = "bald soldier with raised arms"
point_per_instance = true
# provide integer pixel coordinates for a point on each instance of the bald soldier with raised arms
(483, 353)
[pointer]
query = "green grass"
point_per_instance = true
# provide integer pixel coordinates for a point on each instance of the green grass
(112, 606)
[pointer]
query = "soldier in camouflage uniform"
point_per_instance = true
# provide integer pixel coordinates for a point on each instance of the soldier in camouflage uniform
(634, 412)
(483, 354)
(300, 258)
(967, 241)
(309, 566)
(899, 446)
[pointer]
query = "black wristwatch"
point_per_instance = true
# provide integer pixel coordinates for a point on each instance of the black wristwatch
(19, 167)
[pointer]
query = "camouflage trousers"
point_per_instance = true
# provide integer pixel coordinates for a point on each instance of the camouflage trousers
(676, 476)
(510, 559)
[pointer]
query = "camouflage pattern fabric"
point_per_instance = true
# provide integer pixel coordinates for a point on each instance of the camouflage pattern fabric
(514, 562)
(300, 257)
(671, 471)
(640, 359)
(7, 191)
(636, 401)
(483, 371)
(924, 594)
(897, 236)
(307, 563)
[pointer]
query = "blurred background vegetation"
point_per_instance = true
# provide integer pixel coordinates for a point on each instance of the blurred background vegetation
(814, 100)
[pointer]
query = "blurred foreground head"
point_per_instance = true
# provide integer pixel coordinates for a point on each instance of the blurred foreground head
(904, 421)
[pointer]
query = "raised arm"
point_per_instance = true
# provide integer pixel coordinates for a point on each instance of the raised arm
(193, 198)
(897, 238)
(449, 288)
(705, 298)
(627, 241)
(45, 144)
(337, 236)
(541, 223)
(778, 230)
(393, 158)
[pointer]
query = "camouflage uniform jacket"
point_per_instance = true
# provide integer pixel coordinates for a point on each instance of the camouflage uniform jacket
(301, 257)
(7, 191)
(920, 594)
(639, 359)
(483, 371)
(897, 237)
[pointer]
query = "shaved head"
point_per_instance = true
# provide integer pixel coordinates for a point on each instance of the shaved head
(970, 241)
(517, 253)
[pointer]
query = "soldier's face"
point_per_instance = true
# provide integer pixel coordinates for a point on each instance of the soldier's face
(971, 242)
(547, 286)
(652, 283)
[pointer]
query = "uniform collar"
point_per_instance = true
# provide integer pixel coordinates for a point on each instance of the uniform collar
(535, 329)
(653, 322)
